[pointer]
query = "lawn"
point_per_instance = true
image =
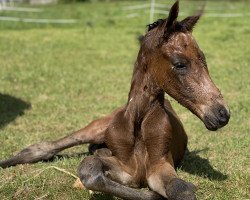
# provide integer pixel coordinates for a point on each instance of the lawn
(56, 78)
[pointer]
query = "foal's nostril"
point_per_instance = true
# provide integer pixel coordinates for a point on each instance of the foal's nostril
(224, 115)
(222, 112)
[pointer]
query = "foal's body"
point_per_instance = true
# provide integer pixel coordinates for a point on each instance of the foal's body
(143, 150)
(145, 139)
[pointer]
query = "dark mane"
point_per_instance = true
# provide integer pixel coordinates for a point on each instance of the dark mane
(183, 26)
(159, 22)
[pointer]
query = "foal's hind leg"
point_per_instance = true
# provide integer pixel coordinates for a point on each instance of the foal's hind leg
(92, 133)
(94, 172)
(163, 179)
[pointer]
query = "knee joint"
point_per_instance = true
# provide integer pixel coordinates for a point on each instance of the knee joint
(90, 175)
(92, 182)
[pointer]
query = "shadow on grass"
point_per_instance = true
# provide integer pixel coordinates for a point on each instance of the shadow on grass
(100, 196)
(91, 149)
(10, 108)
(196, 165)
(67, 156)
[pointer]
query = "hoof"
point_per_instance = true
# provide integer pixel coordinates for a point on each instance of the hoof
(181, 190)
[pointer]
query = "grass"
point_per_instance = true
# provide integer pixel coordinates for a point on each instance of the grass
(56, 78)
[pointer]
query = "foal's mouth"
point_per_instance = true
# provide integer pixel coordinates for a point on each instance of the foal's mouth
(217, 118)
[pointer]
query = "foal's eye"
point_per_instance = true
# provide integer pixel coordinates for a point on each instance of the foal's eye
(180, 66)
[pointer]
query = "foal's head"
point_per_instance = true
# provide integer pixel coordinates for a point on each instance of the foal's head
(178, 66)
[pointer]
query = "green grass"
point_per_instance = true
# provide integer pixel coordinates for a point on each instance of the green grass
(56, 78)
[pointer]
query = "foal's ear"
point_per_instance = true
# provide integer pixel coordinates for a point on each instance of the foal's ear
(188, 23)
(173, 14)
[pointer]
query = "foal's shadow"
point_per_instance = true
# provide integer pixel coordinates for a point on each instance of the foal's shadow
(64, 156)
(101, 196)
(10, 108)
(196, 165)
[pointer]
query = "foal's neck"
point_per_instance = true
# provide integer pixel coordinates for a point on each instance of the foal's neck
(144, 92)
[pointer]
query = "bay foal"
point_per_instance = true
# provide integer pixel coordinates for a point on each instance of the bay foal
(145, 139)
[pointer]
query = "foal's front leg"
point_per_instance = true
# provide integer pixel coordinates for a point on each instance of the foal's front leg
(92, 133)
(98, 174)
(163, 179)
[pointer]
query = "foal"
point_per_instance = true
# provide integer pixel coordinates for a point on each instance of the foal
(145, 139)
